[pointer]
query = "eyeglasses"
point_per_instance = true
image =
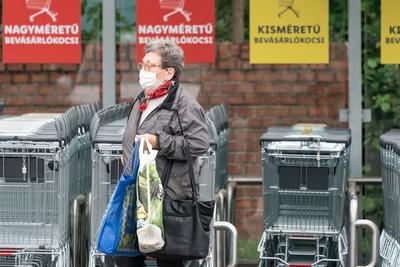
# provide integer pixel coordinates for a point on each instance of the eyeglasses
(147, 67)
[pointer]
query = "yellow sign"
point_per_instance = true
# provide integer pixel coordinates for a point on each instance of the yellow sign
(289, 31)
(390, 31)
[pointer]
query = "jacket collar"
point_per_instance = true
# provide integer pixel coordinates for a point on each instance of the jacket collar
(170, 100)
(168, 103)
(139, 97)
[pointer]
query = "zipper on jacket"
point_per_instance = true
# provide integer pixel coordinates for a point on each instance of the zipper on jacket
(151, 114)
(146, 119)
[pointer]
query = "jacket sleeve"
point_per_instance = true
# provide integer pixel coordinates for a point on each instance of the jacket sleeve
(194, 128)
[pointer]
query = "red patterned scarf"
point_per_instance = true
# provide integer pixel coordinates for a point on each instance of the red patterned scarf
(160, 91)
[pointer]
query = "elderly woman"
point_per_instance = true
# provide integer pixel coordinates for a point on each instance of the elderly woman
(153, 116)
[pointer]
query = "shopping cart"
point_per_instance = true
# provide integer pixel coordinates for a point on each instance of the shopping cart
(305, 169)
(39, 173)
(177, 7)
(217, 116)
(390, 164)
(43, 6)
(207, 187)
(34, 191)
(224, 192)
(81, 235)
(212, 186)
(288, 5)
(106, 130)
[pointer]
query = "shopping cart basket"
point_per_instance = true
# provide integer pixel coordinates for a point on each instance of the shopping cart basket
(305, 170)
(390, 165)
(177, 7)
(43, 6)
(288, 5)
(389, 250)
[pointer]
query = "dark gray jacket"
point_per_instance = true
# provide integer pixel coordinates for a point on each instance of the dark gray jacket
(163, 122)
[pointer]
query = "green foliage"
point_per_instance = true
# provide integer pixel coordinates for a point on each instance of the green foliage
(372, 203)
(338, 21)
(223, 20)
(248, 249)
(92, 15)
(246, 19)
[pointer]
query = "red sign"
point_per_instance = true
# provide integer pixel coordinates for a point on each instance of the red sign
(189, 23)
(41, 31)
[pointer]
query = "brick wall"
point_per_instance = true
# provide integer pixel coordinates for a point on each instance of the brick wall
(257, 96)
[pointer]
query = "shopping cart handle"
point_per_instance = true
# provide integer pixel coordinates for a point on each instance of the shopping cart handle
(354, 223)
(78, 203)
(226, 226)
(375, 240)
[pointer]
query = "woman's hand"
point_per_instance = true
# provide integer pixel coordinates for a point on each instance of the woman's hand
(152, 140)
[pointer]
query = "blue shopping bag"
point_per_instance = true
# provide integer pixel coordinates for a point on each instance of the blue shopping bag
(117, 234)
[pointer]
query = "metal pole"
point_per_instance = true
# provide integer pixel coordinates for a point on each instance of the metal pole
(231, 190)
(353, 234)
(217, 236)
(231, 214)
(220, 237)
(355, 97)
(108, 53)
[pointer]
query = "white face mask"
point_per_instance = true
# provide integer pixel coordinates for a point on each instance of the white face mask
(148, 80)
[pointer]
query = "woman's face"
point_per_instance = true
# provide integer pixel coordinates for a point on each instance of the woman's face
(152, 62)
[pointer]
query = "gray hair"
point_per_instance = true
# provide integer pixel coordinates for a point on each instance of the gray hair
(171, 55)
